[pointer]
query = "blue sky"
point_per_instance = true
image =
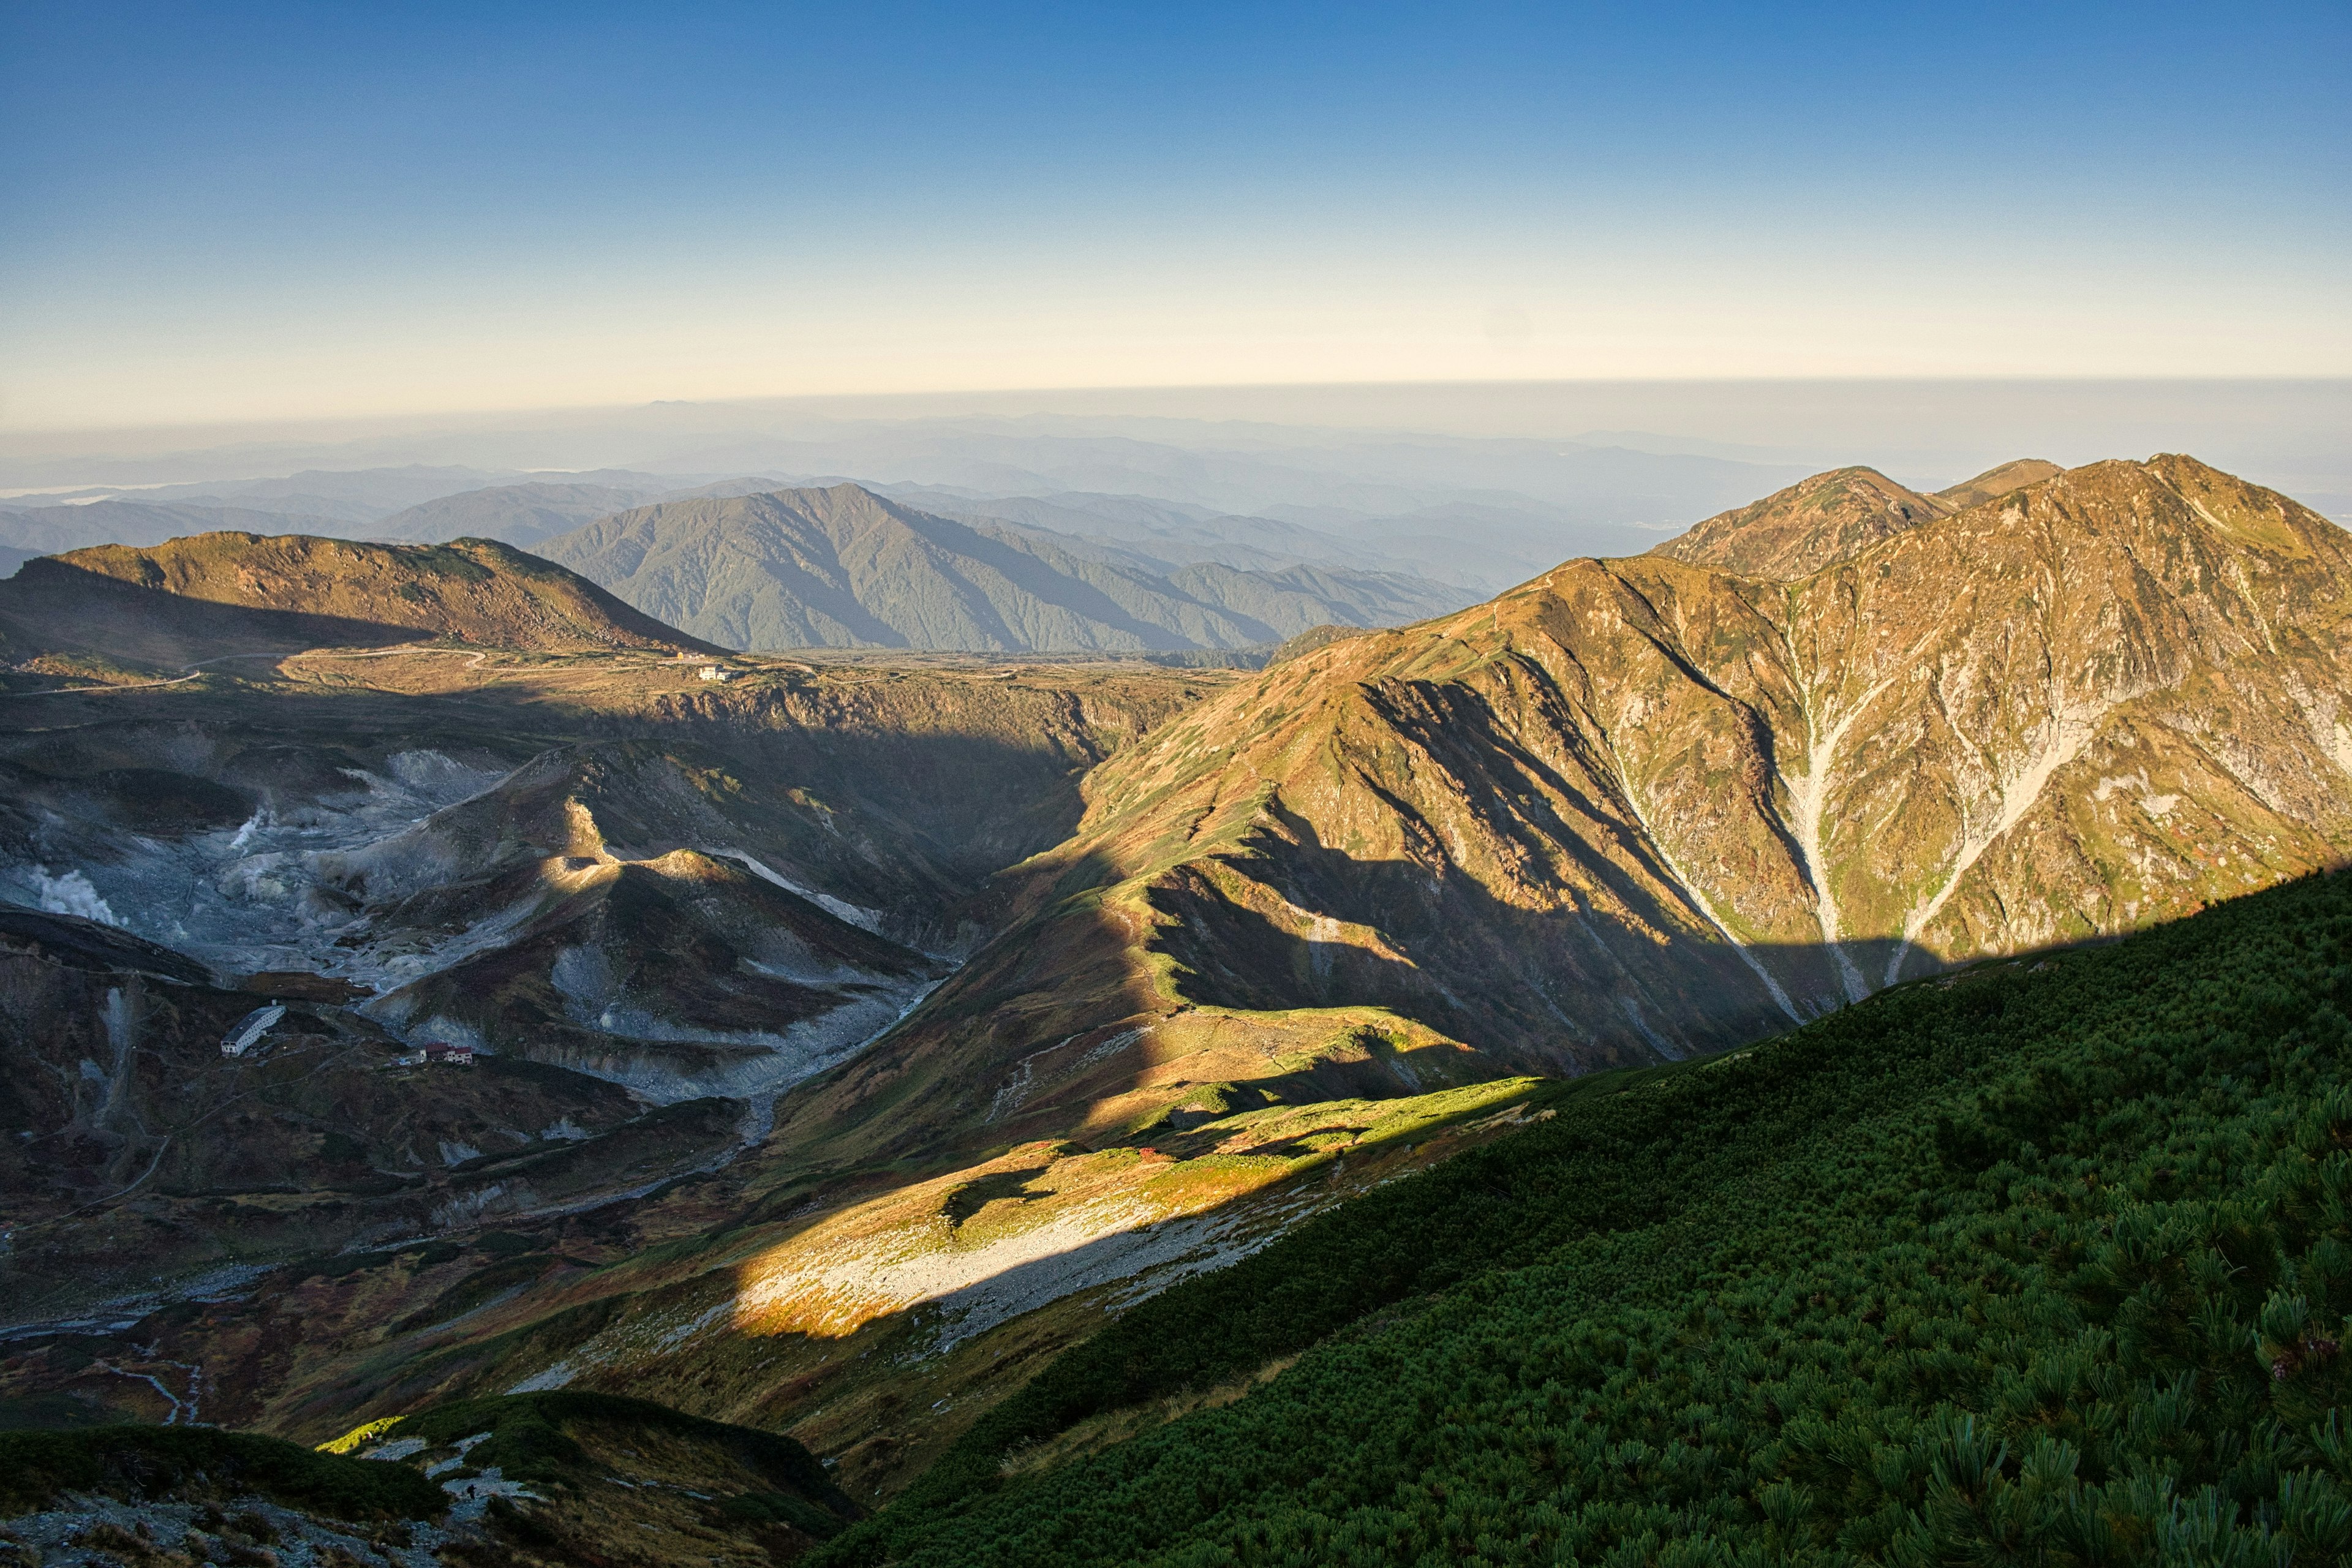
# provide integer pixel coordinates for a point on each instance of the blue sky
(243, 211)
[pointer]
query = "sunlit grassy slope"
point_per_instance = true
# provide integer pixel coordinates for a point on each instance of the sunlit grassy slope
(2045, 1262)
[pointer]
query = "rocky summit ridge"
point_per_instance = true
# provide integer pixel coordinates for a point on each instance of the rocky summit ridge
(1639, 809)
(1829, 516)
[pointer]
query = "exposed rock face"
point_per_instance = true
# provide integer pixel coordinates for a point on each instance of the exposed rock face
(1641, 808)
(612, 921)
(220, 593)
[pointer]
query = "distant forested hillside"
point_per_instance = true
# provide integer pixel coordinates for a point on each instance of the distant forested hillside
(846, 568)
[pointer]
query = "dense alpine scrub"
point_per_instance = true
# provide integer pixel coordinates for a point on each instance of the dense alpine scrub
(2045, 1263)
(38, 1468)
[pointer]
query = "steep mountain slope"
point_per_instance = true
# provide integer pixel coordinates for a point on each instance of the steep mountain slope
(512, 514)
(302, 591)
(1639, 809)
(2025, 1265)
(1634, 811)
(1308, 927)
(843, 567)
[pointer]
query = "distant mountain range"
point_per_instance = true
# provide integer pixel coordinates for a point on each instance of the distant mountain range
(48, 530)
(843, 567)
(1476, 514)
(1111, 536)
(516, 514)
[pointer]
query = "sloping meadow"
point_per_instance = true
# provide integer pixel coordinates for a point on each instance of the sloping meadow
(2046, 1262)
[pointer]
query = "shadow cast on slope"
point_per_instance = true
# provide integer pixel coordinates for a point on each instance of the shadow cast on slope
(937, 812)
(64, 608)
(1555, 990)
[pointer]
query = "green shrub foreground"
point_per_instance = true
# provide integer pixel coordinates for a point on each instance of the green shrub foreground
(530, 1440)
(37, 1467)
(2045, 1264)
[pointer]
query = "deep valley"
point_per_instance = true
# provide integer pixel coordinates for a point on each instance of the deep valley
(445, 1002)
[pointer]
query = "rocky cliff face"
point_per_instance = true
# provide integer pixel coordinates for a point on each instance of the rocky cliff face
(1641, 808)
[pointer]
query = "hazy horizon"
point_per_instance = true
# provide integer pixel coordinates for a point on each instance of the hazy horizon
(2288, 434)
(267, 212)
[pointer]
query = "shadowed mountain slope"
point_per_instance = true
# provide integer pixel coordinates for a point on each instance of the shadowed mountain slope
(2042, 1253)
(1639, 809)
(52, 606)
(114, 1085)
(475, 590)
(843, 567)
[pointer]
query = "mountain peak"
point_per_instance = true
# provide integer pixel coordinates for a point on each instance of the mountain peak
(2014, 475)
(1796, 531)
